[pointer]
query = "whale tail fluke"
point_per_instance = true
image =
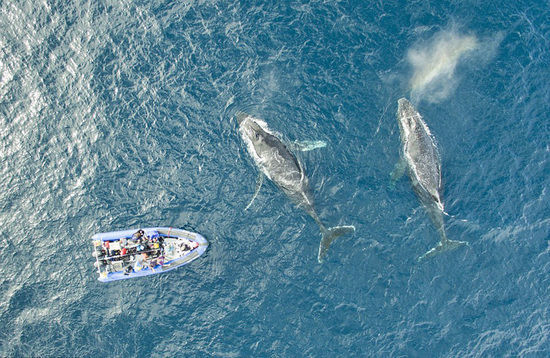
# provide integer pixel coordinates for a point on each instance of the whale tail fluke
(328, 237)
(446, 245)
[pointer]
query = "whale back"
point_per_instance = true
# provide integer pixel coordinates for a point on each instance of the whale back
(421, 153)
(276, 160)
(423, 158)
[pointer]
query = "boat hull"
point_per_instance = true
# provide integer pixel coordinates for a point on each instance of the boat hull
(119, 256)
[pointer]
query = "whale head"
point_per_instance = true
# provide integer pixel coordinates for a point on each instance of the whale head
(254, 132)
(407, 118)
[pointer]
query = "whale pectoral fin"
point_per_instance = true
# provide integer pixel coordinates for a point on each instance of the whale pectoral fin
(397, 172)
(442, 246)
(307, 145)
(259, 183)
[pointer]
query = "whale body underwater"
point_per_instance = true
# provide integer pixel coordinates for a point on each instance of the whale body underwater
(278, 163)
(420, 158)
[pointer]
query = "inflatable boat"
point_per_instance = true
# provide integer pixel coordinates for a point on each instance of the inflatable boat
(142, 252)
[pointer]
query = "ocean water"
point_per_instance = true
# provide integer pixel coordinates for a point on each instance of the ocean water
(120, 114)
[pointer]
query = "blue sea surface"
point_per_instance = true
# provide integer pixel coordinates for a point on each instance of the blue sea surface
(121, 114)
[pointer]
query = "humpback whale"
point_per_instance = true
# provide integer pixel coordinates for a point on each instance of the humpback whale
(280, 165)
(420, 158)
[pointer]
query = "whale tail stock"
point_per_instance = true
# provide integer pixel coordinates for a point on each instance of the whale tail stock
(329, 235)
(442, 246)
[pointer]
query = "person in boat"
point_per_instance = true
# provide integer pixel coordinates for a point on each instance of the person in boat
(186, 246)
(139, 264)
(139, 236)
(149, 261)
(160, 260)
(189, 245)
(153, 242)
(146, 247)
(156, 248)
(106, 246)
(129, 269)
(152, 264)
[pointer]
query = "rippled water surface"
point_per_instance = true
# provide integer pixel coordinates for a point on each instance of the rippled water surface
(121, 114)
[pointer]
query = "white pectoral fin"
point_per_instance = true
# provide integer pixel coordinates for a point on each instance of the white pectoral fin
(398, 171)
(259, 183)
(446, 245)
(307, 145)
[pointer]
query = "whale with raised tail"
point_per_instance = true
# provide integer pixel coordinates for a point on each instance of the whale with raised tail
(280, 165)
(420, 158)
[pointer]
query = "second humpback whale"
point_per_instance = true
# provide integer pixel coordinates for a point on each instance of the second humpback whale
(419, 156)
(281, 166)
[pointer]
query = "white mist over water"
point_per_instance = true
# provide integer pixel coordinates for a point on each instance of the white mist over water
(434, 64)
